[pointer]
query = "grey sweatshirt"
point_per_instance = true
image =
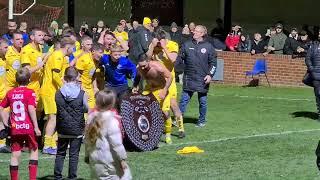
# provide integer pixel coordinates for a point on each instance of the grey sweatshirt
(71, 91)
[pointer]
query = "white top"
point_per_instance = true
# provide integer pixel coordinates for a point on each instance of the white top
(109, 147)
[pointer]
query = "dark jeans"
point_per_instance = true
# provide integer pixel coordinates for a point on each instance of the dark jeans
(202, 98)
(318, 155)
(316, 88)
(120, 91)
(75, 144)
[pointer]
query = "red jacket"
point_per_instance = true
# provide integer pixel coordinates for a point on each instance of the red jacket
(232, 41)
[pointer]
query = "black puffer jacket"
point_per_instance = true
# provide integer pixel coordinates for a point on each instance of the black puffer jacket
(200, 60)
(70, 114)
(313, 60)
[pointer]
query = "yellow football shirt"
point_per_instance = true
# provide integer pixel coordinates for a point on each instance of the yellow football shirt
(122, 34)
(78, 45)
(86, 64)
(52, 81)
(107, 52)
(163, 58)
(77, 53)
(51, 49)
(3, 89)
(31, 56)
(13, 63)
(64, 66)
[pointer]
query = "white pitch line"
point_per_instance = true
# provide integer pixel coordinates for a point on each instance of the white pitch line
(262, 97)
(40, 158)
(245, 137)
(204, 142)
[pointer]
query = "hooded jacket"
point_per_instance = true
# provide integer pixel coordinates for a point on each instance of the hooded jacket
(71, 105)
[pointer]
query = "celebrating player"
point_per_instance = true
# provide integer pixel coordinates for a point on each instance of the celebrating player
(52, 81)
(87, 66)
(166, 52)
(13, 56)
(158, 80)
(33, 59)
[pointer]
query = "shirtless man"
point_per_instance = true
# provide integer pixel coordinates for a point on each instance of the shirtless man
(158, 80)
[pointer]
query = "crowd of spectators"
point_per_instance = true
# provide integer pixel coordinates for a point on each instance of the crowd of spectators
(276, 40)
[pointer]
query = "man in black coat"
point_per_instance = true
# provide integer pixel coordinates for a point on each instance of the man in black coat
(200, 61)
(313, 65)
(291, 44)
(140, 41)
(304, 44)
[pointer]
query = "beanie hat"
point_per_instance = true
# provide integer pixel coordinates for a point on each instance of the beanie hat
(146, 21)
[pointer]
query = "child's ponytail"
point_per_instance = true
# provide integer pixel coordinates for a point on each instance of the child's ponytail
(94, 130)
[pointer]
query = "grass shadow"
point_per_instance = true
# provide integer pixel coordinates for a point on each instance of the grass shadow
(47, 177)
(190, 120)
(305, 114)
(51, 177)
(4, 177)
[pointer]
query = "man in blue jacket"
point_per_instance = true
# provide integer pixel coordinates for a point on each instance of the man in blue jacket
(117, 70)
(12, 27)
(200, 61)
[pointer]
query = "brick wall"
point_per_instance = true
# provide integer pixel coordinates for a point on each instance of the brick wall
(282, 69)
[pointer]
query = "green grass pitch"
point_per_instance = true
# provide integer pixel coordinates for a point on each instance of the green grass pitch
(252, 133)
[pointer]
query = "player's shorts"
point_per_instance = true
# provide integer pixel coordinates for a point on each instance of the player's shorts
(173, 90)
(49, 104)
(18, 142)
(91, 99)
(164, 103)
